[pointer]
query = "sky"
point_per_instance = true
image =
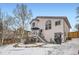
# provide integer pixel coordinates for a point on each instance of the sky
(47, 9)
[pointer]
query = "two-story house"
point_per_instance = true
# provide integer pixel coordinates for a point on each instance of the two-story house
(51, 27)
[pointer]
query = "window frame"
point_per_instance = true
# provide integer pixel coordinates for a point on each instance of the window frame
(48, 25)
(57, 23)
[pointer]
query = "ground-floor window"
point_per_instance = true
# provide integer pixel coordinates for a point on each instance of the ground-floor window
(57, 37)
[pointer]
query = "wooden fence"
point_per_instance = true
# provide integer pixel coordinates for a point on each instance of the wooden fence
(73, 34)
(8, 41)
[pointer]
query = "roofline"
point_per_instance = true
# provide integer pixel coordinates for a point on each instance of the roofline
(67, 21)
(55, 17)
(50, 16)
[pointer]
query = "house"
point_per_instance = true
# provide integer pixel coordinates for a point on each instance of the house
(47, 28)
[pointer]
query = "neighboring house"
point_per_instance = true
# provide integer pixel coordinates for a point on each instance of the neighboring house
(49, 27)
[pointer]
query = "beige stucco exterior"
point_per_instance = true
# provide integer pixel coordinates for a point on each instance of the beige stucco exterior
(49, 34)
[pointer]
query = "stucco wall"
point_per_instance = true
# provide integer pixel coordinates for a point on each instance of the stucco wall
(55, 29)
(49, 34)
(66, 30)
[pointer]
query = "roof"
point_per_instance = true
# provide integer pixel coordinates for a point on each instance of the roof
(55, 17)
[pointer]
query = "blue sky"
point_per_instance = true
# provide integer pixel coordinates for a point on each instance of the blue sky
(52, 9)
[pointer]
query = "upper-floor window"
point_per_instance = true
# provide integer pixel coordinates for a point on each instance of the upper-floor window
(57, 23)
(33, 24)
(48, 25)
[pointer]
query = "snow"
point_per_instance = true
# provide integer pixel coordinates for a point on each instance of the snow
(69, 48)
(30, 45)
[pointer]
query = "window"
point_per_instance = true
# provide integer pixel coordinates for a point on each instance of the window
(57, 35)
(33, 24)
(58, 38)
(48, 25)
(57, 23)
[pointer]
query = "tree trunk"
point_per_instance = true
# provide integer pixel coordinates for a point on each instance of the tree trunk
(22, 26)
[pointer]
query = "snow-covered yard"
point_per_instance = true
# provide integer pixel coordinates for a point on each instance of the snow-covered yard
(68, 48)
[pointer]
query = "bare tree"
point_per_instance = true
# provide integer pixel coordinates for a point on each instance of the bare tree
(23, 15)
(77, 27)
(77, 17)
(6, 23)
(2, 30)
(9, 21)
(11, 25)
